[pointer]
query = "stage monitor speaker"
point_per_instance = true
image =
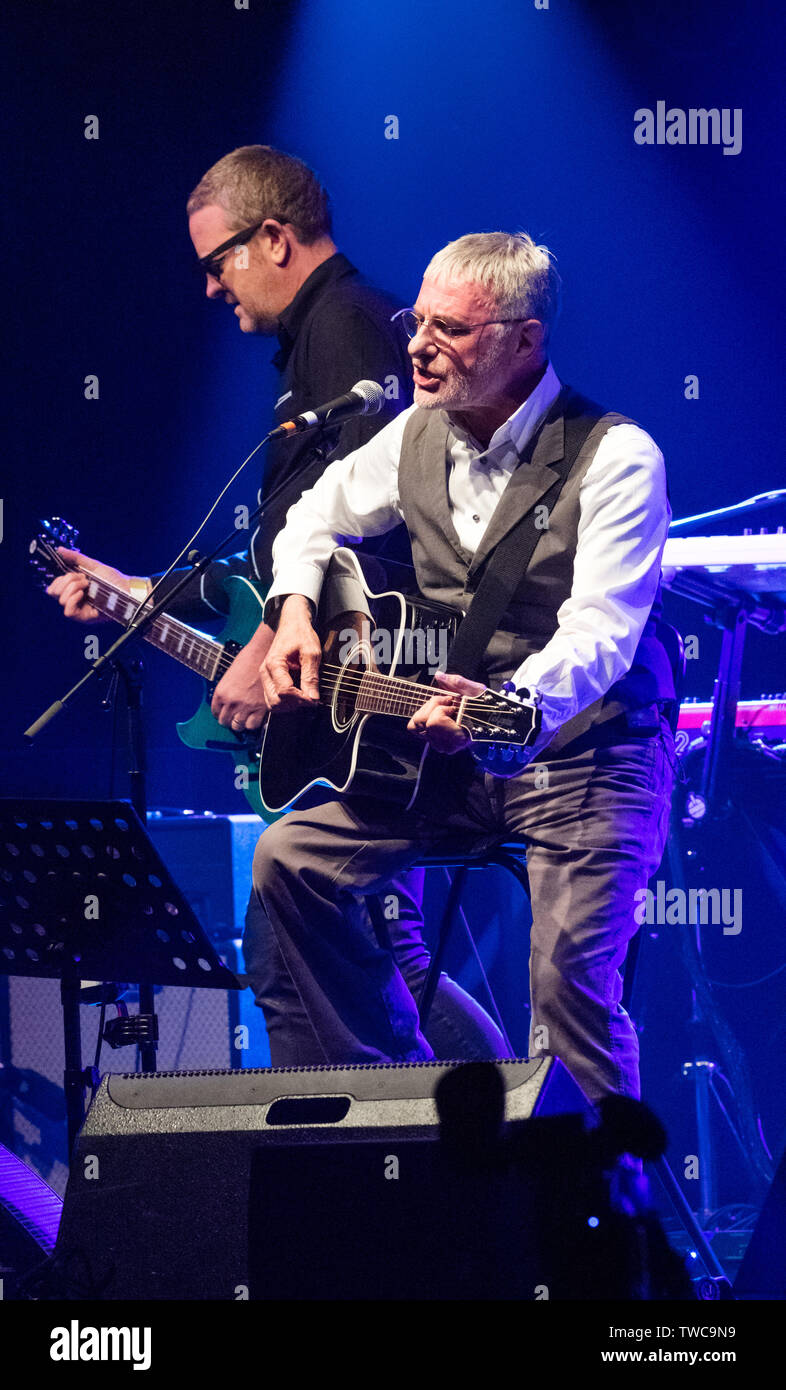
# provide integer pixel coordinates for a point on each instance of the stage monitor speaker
(429, 1181)
(209, 1185)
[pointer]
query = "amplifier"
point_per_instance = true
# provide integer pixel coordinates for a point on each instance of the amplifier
(331, 1182)
(210, 859)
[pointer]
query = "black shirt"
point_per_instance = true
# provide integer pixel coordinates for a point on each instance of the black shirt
(335, 332)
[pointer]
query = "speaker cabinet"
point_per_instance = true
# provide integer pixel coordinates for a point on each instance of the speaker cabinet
(325, 1182)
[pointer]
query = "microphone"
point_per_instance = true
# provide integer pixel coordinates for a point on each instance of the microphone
(365, 398)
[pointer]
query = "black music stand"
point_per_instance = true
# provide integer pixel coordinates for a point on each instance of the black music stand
(84, 895)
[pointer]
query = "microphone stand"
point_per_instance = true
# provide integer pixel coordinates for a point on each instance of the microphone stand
(147, 614)
(138, 626)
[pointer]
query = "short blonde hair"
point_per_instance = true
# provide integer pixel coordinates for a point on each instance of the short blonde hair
(256, 181)
(521, 277)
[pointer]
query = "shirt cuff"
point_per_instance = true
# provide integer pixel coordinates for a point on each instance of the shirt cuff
(345, 596)
(294, 579)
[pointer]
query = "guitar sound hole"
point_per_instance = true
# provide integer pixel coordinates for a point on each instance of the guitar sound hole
(345, 690)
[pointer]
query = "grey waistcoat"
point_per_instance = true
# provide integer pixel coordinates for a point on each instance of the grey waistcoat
(448, 573)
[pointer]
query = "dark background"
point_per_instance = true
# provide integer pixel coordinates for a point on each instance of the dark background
(509, 117)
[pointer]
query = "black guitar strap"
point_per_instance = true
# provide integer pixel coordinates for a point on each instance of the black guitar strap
(509, 560)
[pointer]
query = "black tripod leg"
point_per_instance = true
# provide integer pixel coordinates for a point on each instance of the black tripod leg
(491, 1001)
(674, 1191)
(147, 1007)
(435, 968)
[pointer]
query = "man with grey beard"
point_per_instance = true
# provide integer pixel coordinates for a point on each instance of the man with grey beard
(492, 433)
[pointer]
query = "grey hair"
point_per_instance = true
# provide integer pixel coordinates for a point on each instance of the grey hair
(256, 181)
(521, 277)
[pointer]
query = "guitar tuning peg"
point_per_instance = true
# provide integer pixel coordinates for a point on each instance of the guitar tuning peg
(61, 532)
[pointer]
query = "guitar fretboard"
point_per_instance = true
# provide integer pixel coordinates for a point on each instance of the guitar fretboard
(373, 692)
(379, 694)
(186, 644)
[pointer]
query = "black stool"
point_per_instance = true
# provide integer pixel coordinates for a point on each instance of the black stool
(456, 867)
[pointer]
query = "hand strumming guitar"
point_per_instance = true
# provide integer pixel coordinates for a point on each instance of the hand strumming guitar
(295, 650)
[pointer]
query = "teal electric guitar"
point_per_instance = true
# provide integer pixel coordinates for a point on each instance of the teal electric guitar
(210, 657)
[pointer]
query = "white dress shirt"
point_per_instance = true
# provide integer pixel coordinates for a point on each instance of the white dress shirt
(624, 517)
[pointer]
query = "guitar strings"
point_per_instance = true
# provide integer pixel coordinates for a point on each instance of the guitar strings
(402, 691)
(208, 645)
(407, 692)
(399, 684)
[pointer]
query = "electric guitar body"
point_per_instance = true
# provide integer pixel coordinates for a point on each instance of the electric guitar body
(202, 730)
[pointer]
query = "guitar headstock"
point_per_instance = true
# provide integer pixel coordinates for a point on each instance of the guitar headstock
(44, 557)
(503, 725)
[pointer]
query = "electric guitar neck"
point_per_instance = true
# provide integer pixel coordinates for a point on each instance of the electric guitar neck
(187, 645)
(209, 657)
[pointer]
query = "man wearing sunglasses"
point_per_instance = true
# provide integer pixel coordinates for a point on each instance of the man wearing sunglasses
(260, 223)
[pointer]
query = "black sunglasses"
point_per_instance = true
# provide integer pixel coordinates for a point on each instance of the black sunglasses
(211, 264)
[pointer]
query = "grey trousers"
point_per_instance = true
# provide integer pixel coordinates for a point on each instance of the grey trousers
(458, 1027)
(594, 825)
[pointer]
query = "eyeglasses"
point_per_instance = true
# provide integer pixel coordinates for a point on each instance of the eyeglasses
(211, 264)
(441, 332)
